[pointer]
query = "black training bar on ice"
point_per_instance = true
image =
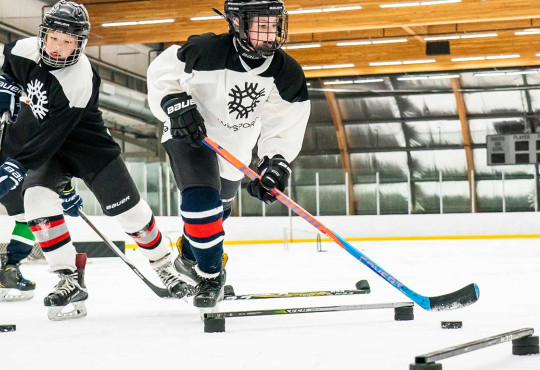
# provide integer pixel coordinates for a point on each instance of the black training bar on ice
(286, 311)
(473, 346)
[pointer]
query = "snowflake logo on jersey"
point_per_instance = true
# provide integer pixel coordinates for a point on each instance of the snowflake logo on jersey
(38, 98)
(244, 101)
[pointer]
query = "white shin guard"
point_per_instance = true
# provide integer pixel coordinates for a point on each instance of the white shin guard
(42, 203)
(136, 220)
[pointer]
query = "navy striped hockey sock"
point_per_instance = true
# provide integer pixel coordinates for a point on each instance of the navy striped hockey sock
(202, 213)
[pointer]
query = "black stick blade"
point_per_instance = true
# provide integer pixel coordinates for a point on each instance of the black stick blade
(458, 299)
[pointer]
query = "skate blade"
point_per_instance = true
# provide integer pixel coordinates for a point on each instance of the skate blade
(73, 310)
(14, 295)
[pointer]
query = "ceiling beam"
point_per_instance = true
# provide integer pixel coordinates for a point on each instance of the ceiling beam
(416, 31)
(467, 139)
(335, 112)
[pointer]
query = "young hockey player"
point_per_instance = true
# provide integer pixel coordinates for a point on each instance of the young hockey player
(241, 90)
(13, 286)
(72, 141)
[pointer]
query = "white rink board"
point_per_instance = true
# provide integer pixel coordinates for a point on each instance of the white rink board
(271, 228)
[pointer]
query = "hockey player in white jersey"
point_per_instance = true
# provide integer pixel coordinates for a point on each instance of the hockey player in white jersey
(241, 89)
(72, 141)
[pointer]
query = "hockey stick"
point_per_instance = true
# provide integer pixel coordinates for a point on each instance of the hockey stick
(3, 126)
(362, 287)
(5, 119)
(460, 298)
(320, 293)
(161, 292)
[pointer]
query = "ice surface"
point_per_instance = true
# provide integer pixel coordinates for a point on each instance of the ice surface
(128, 327)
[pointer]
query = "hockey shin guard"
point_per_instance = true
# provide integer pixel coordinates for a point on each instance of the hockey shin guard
(45, 217)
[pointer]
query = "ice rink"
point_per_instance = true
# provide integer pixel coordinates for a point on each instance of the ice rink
(128, 327)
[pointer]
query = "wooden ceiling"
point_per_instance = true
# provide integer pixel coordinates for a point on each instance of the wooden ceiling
(371, 22)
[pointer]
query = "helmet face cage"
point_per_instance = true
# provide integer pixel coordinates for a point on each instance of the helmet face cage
(68, 18)
(261, 26)
(57, 62)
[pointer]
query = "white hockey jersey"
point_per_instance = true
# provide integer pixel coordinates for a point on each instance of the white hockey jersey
(241, 106)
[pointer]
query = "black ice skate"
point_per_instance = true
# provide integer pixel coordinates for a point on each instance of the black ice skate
(70, 292)
(13, 286)
(170, 277)
(210, 291)
(186, 268)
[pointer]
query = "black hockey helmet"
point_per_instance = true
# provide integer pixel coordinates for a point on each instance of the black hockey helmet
(273, 24)
(70, 18)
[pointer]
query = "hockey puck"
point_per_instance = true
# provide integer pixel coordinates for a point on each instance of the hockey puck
(525, 346)
(228, 290)
(531, 340)
(525, 351)
(362, 285)
(214, 325)
(428, 366)
(6, 328)
(404, 313)
(451, 324)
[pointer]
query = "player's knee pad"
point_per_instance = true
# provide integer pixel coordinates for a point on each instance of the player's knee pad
(41, 202)
(202, 213)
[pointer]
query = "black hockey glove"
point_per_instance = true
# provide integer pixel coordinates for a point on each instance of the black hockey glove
(187, 123)
(11, 176)
(10, 94)
(274, 173)
(71, 201)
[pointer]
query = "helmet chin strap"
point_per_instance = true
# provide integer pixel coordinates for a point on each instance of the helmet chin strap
(247, 52)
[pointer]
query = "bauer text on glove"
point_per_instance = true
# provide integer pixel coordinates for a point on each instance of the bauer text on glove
(11, 176)
(187, 124)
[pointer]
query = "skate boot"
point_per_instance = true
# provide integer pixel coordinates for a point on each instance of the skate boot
(210, 291)
(170, 277)
(186, 268)
(13, 286)
(70, 292)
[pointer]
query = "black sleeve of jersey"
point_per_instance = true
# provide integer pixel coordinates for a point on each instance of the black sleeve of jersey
(200, 52)
(50, 136)
(290, 80)
(6, 67)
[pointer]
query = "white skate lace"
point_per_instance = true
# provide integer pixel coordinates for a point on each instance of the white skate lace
(167, 277)
(66, 284)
